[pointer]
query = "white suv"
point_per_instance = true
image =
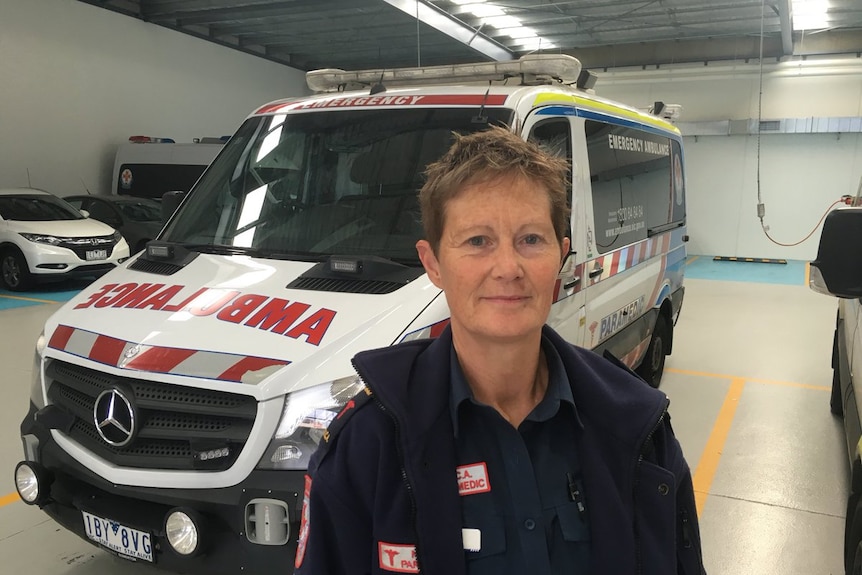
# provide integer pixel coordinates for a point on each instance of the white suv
(43, 237)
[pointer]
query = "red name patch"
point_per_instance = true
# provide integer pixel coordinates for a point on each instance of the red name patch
(473, 479)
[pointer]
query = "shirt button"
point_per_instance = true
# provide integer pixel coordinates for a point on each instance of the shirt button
(530, 524)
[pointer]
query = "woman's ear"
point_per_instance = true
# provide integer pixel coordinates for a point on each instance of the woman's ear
(429, 262)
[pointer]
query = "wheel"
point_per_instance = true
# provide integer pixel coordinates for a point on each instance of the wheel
(14, 271)
(652, 366)
(835, 404)
(853, 536)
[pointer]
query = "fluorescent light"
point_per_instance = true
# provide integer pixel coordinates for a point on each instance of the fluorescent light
(518, 32)
(810, 14)
(483, 10)
(502, 22)
(533, 44)
(463, 2)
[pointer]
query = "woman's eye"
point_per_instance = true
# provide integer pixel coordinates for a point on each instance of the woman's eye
(476, 241)
(532, 239)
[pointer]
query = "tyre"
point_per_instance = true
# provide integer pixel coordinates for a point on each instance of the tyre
(835, 404)
(14, 273)
(652, 366)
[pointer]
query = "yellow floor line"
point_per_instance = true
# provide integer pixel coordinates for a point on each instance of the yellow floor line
(807, 273)
(751, 379)
(7, 499)
(708, 464)
(691, 259)
(18, 297)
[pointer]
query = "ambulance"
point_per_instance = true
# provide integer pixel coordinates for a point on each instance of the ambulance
(175, 403)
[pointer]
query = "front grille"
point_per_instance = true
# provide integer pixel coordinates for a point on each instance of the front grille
(173, 422)
(83, 245)
(376, 287)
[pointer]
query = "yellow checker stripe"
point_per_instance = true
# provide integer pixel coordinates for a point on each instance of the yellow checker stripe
(553, 98)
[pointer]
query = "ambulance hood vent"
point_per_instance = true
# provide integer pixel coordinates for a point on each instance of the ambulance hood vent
(357, 274)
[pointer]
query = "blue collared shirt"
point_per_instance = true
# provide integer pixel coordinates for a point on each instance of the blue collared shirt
(522, 499)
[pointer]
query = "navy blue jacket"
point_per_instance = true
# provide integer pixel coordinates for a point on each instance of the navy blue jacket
(385, 476)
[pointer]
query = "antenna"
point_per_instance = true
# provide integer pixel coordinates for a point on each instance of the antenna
(89, 193)
(29, 185)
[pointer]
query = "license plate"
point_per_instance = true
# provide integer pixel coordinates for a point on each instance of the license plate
(97, 255)
(124, 540)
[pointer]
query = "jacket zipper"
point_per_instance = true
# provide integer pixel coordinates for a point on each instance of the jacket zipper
(400, 451)
(647, 442)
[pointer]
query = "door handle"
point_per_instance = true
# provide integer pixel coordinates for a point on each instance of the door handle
(575, 281)
(596, 272)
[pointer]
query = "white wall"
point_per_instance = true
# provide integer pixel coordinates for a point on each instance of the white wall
(76, 81)
(801, 175)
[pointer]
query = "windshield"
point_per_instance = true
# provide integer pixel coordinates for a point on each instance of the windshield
(310, 185)
(37, 208)
(141, 211)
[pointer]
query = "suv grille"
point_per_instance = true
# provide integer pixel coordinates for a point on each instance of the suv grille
(83, 245)
(173, 422)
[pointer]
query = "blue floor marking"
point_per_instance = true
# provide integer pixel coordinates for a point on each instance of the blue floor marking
(55, 292)
(704, 268)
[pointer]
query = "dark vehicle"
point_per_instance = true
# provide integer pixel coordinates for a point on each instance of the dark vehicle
(838, 271)
(138, 219)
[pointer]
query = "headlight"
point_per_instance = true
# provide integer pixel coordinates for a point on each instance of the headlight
(305, 417)
(116, 236)
(42, 239)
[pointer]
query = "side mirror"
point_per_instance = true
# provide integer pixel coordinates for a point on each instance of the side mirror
(170, 202)
(85, 213)
(838, 268)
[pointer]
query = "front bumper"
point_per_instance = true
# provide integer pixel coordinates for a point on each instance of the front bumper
(46, 261)
(225, 545)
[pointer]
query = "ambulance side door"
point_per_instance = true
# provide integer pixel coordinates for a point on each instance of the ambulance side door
(556, 134)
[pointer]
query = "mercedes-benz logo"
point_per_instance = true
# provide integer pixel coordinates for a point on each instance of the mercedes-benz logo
(114, 417)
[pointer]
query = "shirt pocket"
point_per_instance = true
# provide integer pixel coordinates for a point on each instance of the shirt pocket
(573, 523)
(491, 556)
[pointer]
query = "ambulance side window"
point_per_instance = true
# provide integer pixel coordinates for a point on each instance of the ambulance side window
(555, 137)
(636, 180)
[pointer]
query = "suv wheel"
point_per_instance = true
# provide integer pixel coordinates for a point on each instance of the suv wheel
(14, 271)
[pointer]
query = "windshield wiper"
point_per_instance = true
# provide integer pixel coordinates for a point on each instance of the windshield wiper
(221, 249)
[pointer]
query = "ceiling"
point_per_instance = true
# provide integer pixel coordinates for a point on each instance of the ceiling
(361, 34)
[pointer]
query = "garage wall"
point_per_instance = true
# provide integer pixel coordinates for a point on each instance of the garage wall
(801, 175)
(76, 81)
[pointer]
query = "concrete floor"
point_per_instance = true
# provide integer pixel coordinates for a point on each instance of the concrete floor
(749, 387)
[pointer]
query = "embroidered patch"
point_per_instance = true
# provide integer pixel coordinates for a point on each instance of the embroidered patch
(473, 479)
(303, 527)
(397, 558)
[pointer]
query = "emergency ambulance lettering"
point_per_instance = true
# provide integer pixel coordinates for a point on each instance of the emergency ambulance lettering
(313, 328)
(159, 300)
(118, 292)
(102, 291)
(241, 307)
(211, 306)
(283, 314)
(137, 295)
(186, 301)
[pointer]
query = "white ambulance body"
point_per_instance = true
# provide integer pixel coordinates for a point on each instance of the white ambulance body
(185, 391)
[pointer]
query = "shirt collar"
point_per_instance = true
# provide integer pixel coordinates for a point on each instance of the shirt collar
(558, 390)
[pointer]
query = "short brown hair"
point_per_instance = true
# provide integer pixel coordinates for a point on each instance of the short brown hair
(485, 156)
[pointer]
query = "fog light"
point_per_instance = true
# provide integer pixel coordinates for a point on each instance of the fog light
(182, 532)
(286, 453)
(27, 483)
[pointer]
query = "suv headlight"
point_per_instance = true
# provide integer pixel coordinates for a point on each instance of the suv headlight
(304, 419)
(42, 239)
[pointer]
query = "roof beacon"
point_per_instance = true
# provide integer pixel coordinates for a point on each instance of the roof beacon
(531, 69)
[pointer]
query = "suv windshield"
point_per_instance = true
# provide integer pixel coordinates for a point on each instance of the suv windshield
(141, 210)
(309, 185)
(37, 208)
